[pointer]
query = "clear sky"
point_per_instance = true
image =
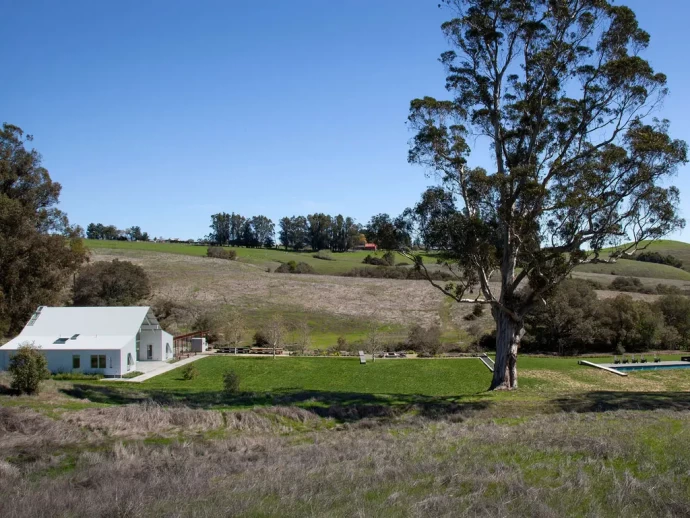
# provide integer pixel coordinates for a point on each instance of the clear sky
(160, 113)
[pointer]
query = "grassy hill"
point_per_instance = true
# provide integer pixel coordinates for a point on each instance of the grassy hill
(344, 262)
(266, 258)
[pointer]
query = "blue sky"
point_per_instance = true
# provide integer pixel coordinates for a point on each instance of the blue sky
(160, 113)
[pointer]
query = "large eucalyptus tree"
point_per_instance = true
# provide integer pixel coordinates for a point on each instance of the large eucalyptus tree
(560, 93)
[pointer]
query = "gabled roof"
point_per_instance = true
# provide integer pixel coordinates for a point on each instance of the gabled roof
(84, 327)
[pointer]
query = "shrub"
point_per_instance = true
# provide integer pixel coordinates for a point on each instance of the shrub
(116, 283)
(218, 252)
(28, 368)
(260, 339)
(373, 260)
(629, 284)
(397, 273)
(189, 372)
(342, 343)
(427, 340)
(231, 382)
(389, 258)
(293, 267)
(656, 257)
(324, 254)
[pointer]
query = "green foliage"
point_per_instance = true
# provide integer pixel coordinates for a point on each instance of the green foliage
(260, 339)
(189, 372)
(293, 267)
(116, 283)
(132, 374)
(676, 314)
(629, 284)
(231, 382)
(656, 257)
(28, 368)
(574, 321)
(592, 168)
(39, 250)
(425, 339)
(219, 252)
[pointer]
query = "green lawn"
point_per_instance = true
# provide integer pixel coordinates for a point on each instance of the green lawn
(269, 258)
(343, 375)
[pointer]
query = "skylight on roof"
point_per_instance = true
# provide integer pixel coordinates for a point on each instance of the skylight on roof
(61, 341)
(34, 317)
(74, 337)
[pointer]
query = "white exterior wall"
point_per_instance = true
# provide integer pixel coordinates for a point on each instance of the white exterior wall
(167, 347)
(158, 340)
(61, 361)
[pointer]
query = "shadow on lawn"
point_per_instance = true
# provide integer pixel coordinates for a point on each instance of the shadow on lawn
(602, 401)
(342, 406)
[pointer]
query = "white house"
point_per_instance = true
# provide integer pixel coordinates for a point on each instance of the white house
(105, 340)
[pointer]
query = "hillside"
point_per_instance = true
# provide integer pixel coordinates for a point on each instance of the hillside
(344, 262)
(263, 257)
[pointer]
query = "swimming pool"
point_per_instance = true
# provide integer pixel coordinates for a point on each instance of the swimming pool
(651, 366)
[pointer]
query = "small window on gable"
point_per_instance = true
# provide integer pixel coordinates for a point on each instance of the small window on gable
(61, 341)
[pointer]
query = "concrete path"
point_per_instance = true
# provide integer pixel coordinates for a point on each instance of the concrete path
(164, 368)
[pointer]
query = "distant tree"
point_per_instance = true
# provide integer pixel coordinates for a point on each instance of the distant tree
(343, 233)
(274, 331)
(319, 231)
(302, 336)
(248, 236)
(425, 339)
(373, 341)
(220, 228)
(28, 367)
(135, 234)
(264, 230)
(233, 327)
(111, 233)
(39, 250)
(432, 215)
(116, 283)
(285, 232)
(676, 313)
(559, 93)
(388, 233)
(570, 322)
(236, 224)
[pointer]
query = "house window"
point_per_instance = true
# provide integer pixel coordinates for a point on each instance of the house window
(98, 361)
(76, 361)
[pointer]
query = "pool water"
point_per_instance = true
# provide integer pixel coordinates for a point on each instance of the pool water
(649, 367)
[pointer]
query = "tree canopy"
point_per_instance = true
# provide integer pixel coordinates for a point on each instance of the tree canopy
(39, 250)
(560, 94)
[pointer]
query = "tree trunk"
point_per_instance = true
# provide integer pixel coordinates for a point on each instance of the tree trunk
(508, 335)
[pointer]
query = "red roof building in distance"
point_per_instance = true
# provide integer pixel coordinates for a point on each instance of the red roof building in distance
(370, 246)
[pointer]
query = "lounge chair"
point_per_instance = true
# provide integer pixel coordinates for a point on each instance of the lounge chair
(643, 359)
(616, 360)
(625, 360)
(656, 359)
